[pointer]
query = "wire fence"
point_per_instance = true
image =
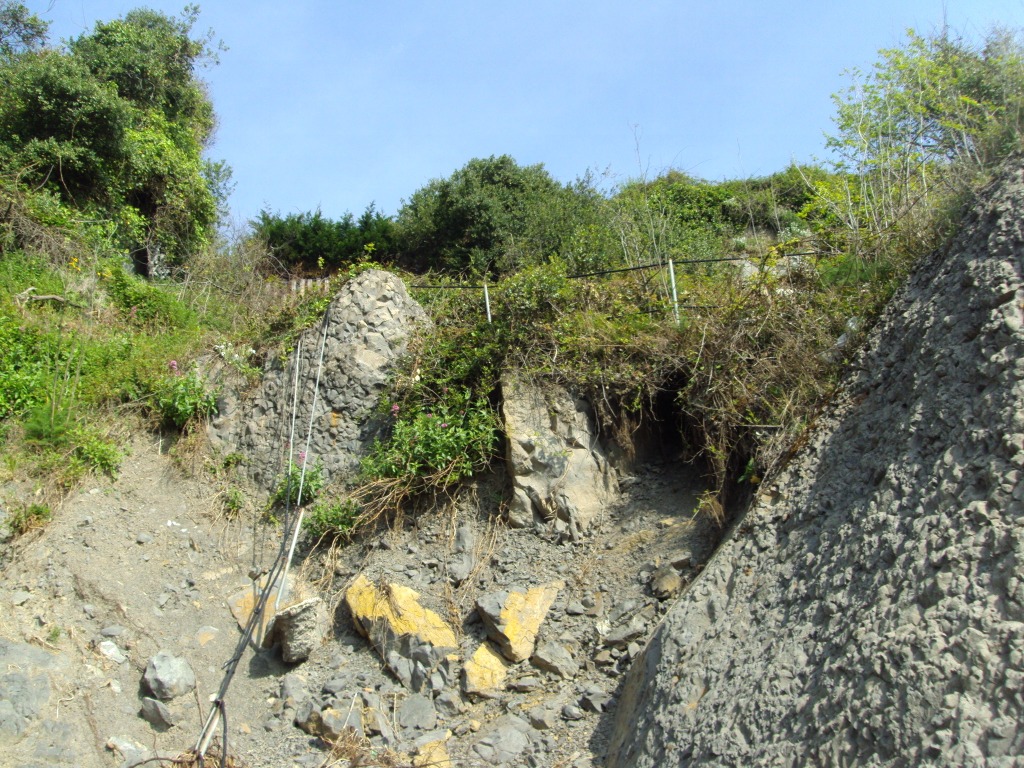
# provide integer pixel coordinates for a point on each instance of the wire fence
(670, 265)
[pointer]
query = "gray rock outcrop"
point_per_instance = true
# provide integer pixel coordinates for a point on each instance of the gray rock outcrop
(869, 608)
(368, 323)
(560, 473)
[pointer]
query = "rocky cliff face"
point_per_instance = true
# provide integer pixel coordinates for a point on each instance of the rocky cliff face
(869, 608)
(368, 323)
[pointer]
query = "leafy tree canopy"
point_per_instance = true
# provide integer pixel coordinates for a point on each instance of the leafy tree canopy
(115, 125)
(492, 215)
(311, 242)
(20, 30)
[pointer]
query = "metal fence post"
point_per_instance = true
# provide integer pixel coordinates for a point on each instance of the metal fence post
(487, 302)
(675, 296)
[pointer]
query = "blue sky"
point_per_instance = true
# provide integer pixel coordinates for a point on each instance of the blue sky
(337, 104)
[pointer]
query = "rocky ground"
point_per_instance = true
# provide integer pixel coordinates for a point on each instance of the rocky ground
(146, 563)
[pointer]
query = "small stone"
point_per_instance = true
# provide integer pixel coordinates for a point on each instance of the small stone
(205, 634)
(20, 597)
(449, 704)
(417, 712)
(433, 754)
(595, 701)
(543, 719)
(484, 672)
(555, 658)
(505, 740)
(334, 723)
(293, 688)
(89, 610)
(526, 684)
(623, 636)
(666, 582)
(156, 713)
(113, 630)
(143, 538)
(110, 650)
(337, 685)
(572, 712)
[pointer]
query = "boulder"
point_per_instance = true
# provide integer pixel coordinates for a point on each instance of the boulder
(513, 618)
(560, 473)
(484, 672)
(299, 628)
(415, 643)
(368, 323)
(168, 676)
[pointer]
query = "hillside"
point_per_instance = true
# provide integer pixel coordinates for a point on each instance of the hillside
(530, 473)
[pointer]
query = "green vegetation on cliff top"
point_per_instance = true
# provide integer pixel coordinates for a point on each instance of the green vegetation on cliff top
(115, 284)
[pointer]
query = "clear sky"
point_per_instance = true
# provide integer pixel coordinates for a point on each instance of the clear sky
(336, 104)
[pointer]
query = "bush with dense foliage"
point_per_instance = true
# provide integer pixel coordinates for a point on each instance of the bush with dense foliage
(116, 125)
(311, 243)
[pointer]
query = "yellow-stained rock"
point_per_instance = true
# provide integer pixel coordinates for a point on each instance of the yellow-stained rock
(433, 754)
(513, 619)
(399, 607)
(243, 602)
(413, 641)
(484, 672)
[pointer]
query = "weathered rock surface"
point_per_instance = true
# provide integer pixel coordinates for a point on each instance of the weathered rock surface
(414, 641)
(869, 608)
(168, 676)
(299, 628)
(560, 473)
(513, 618)
(367, 324)
(484, 672)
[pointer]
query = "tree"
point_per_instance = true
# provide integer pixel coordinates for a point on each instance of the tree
(20, 30)
(312, 242)
(152, 60)
(492, 215)
(117, 125)
(924, 123)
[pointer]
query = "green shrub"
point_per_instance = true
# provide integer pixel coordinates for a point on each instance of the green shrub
(26, 518)
(440, 444)
(97, 452)
(182, 399)
(142, 303)
(24, 367)
(332, 519)
(233, 502)
(287, 490)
